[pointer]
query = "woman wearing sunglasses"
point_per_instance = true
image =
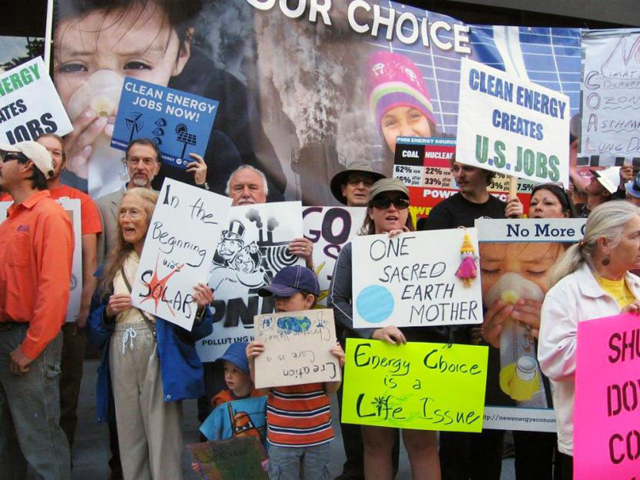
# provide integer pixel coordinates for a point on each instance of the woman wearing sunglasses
(387, 213)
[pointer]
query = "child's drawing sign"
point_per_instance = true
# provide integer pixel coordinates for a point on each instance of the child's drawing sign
(297, 348)
(180, 244)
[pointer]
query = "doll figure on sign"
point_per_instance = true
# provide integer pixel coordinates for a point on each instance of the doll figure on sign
(468, 269)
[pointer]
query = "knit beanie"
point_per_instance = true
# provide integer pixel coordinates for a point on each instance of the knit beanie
(396, 81)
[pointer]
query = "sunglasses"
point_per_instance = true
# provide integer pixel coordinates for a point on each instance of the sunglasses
(8, 156)
(382, 203)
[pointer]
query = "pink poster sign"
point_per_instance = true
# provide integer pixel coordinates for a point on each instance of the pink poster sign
(606, 435)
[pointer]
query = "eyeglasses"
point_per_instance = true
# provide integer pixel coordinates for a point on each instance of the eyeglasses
(366, 180)
(382, 203)
(8, 156)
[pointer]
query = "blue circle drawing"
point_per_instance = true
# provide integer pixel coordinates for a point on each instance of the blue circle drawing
(375, 304)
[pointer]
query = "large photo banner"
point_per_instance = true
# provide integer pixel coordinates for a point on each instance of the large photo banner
(304, 90)
(516, 261)
(254, 246)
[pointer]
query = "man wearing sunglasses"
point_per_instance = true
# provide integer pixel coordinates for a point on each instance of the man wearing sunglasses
(36, 248)
(351, 186)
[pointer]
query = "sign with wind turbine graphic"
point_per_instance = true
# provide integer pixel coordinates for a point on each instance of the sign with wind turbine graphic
(179, 123)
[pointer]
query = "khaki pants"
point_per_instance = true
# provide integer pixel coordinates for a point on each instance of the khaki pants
(149, 430)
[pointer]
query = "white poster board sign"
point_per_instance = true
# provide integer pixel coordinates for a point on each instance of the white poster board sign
(410, 280)
(512, 126)
(254, 246)
(29, 104)
(297, 348)
(330, 228)
(73, 208)
(610, 103)
(178, 251)
(517, 258)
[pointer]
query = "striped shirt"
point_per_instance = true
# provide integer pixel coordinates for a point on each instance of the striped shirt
(299, 416)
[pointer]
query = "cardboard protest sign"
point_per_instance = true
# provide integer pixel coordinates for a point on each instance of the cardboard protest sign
(254, 246)
(512, 126)
(421, 386)
(607, 397)
(297, 348)
(238, 458)
(178, 251)
(72, 206)
(329, 228)
(411, 280)
(423, 164)
(610, 96)
(29, 104)
(516, 260)
(178, 122)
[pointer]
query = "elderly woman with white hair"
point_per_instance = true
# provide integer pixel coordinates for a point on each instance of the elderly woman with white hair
(591, 281)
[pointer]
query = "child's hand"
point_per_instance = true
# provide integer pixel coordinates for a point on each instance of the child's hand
(254, 349)
(196, 467)
(337, 352)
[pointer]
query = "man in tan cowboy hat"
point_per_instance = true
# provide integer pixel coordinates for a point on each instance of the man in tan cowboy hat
(351, 186)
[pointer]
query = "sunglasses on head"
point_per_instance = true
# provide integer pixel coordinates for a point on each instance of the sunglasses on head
(383, 203)
(8, 156)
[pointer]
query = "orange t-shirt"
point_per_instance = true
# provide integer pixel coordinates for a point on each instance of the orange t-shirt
(88, 209)
(299, 416)
(36, 251)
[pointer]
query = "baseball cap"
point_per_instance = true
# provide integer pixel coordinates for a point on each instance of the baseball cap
(609, 178)
(35, 152)
(237, 354)
(633, 187)
(291, 280)
(388, 185)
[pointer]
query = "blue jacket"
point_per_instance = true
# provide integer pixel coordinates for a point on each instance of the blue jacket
(180, 366)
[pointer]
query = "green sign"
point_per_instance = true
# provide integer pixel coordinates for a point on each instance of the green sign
(424, 386)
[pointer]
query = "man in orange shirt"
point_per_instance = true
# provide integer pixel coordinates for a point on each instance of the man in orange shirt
(36, 248)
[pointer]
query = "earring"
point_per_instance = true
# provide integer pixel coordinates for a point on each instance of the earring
(606, 261)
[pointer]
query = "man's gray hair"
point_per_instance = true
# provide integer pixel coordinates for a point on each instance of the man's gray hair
(253, 169)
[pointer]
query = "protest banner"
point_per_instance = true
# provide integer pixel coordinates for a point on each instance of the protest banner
(610, 125)
(178, 122)
(411, 280)
(29, 104)
(296, 348)
(607, 397)
(422, 163)
(72, 207)
(254, 247)
(329, 228)
(512, 126)
(238, 458)
(178, 251)
(254, 57)
(420, 386)
(516, 260)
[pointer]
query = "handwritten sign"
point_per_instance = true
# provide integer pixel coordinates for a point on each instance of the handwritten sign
(422, 386)
(186, 224)
(410, 280)
(238, 458)
(178, 122)
(73, 209)
(607, 396)
(423, 164)
(29, 104)
(297, 348)
(512, 126)
(254, 246)
(610, 124)
(329, 228)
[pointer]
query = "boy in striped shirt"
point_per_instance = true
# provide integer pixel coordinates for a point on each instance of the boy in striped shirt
(298, 417)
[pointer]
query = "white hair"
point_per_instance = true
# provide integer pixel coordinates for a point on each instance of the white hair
(253, 169)
(605, 221)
